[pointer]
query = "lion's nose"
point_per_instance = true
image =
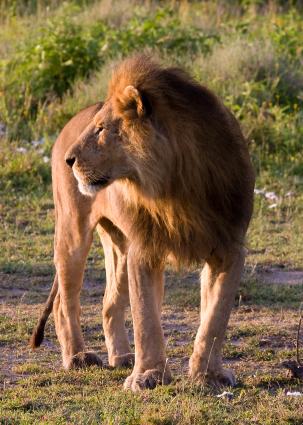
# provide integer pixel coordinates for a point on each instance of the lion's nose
(70, 160)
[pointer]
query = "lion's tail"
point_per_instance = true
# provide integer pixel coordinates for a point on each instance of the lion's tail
(38, 333)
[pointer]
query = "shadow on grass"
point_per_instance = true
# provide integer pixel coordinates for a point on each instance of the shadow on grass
(31, 285)
(182, 289)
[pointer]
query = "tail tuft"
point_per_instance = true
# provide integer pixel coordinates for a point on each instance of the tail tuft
(37, 335)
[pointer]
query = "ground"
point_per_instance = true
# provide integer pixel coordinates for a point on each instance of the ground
(261, 335)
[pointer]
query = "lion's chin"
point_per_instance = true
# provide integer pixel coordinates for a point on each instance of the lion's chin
(89, 189)
(93, 189)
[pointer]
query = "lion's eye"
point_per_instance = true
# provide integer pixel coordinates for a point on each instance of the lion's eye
(99, 130)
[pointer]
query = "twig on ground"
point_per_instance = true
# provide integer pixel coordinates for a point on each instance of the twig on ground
(298, 337)
(296, 367)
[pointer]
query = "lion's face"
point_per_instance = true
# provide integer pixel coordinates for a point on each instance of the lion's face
(99, 156)
(121, 143)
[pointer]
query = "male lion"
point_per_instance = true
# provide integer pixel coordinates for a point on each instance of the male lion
(162, 170)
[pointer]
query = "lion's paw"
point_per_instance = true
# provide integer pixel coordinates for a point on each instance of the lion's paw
(83, 360)
(218, 378)
(125, 360)
(147, 380)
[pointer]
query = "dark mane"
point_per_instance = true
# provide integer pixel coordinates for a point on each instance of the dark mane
(197, 182)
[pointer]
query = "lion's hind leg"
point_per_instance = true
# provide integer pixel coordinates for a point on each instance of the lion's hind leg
(219, 282)
(116, 297)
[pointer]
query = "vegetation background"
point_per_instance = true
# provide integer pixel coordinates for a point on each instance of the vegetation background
(56, 58)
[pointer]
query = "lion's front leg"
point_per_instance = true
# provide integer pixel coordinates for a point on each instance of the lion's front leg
(146, 294)
(116, 297)
(219, 283)
(71, 248)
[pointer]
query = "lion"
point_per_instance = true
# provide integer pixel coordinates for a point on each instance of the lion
(162, 171)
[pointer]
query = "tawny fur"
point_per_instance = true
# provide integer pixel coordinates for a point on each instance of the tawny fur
(162, 170)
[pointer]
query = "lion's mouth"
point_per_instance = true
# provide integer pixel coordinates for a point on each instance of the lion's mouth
(92, 187)
(103, 181)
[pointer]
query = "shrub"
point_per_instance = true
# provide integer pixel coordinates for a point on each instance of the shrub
(163, 30)
(43, 68)
(262, 83)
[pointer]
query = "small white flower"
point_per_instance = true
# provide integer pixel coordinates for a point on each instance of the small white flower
(45, 159)
(271, 196)
(21, 150)
(294, 394)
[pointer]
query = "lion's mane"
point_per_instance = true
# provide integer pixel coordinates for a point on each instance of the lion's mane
(205, 199)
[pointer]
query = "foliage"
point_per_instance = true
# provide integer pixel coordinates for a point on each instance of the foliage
(163, 30)
(24, 168)
(45, 66)
(254, 63)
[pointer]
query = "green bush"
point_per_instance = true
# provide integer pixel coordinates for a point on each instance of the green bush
(163, 30)
(288, 35)
(45, 67)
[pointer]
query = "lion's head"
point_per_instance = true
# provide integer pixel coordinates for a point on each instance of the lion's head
(180, 151)
(129, 138)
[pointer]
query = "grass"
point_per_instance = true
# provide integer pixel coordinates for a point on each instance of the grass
(36, 390)
(250, 53)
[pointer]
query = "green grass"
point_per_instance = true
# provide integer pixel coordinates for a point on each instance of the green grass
(250, 53)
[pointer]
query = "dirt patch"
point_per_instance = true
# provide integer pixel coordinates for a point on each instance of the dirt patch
(280, 277)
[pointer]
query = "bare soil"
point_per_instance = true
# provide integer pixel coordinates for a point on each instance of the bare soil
(274, 275)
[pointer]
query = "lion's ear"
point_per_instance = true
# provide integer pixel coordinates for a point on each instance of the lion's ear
(133, 104)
